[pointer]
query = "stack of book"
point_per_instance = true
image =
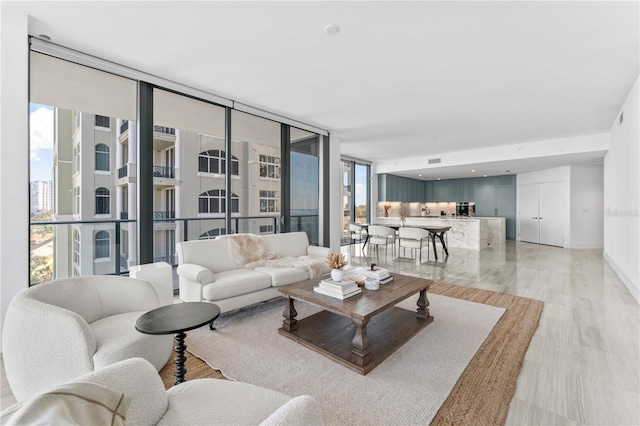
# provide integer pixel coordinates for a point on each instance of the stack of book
(338, 289)
(381, 274)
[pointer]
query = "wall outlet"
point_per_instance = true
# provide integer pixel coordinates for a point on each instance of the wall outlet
(585, 209)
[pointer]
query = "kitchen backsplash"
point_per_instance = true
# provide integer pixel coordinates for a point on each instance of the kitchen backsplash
(398, 209)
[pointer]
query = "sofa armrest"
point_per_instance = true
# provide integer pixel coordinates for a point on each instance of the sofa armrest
(316, 251)
(195, 273)
(301, 410)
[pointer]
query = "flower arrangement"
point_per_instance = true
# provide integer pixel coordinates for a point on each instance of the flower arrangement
(336, 260)
(386, 209)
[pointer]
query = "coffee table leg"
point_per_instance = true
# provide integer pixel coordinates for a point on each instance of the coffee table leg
(423, 305)
(290, 323)
(179, 349)
(360, 343)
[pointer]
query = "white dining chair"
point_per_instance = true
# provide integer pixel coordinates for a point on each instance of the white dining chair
(382, 236)
(413, 238)
(357, 234)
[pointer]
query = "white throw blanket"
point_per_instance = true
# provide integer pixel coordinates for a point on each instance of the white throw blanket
(252, 251)
(313, 267)
(247, 248)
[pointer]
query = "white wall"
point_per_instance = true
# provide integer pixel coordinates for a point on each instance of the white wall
(335, 191)
(587, 206)
(14, 155)
(622, 195)
(557, 174)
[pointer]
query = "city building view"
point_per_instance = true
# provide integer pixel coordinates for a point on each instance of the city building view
(84, 220)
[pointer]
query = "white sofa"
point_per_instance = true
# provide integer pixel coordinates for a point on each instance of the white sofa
(131, 393)
(59, 330)
(208, 273)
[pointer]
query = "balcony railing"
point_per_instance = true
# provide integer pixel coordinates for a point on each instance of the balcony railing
(162, 129)
(123, 172)
(43, 260)
(164, 172)
(124, 127)
(163, 215)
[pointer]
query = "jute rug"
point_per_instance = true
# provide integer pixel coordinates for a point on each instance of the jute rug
(483, 391)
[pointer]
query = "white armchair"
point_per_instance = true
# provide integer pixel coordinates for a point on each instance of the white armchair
(61, 329)
(140, 399)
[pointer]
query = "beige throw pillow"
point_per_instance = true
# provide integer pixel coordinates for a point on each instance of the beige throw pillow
(78, 403)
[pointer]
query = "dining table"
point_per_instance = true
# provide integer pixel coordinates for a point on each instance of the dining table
(434, 232)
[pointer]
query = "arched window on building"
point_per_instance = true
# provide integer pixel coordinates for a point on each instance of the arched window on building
(102, 157)
(102, 201)
(212, 233)
(213, 202)
(213, 161)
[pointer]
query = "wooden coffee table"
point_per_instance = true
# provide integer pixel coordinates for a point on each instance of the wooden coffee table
(359, 332)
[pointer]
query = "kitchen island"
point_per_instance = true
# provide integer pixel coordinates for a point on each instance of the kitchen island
(474, 233)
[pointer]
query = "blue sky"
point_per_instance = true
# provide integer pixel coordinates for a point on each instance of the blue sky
(41, 141)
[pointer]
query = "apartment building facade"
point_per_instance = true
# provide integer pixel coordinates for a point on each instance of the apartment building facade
(95, 187)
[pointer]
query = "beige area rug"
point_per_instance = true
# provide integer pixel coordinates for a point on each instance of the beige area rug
(483, 392)
(407, 388)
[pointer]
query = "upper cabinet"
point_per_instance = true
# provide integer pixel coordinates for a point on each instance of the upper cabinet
(398, 188)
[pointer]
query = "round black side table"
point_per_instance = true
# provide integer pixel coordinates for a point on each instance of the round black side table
(178, 318)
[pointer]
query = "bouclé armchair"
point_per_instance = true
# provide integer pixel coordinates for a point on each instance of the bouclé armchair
(62, 329)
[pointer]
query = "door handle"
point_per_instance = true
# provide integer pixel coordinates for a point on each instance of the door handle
(535, 218)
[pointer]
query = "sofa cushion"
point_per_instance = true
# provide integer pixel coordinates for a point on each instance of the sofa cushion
(117, 339)
(288, 244)
(235, 283)
(284, 276)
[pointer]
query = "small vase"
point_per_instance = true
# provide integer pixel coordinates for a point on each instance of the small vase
(337, 275)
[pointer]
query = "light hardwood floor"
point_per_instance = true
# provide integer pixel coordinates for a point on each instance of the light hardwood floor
(582, 366)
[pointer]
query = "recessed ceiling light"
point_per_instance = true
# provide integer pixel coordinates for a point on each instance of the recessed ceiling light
(434, 137)
(419, 174)
(485, 175)
(473, 170)
(507, 171)
(438, 178)
(44, 37)
(331, 29)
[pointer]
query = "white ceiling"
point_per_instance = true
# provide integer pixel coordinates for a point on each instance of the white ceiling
(400, 79)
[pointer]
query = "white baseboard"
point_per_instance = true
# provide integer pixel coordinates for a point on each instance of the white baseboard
(635, 292)
(586, 246)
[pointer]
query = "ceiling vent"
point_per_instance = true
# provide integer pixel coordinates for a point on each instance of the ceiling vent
(435, 160)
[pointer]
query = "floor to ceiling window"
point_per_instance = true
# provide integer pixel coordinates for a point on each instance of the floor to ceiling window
(74, 140)
(305, 181)
(188, 172)
(212, 170)
(255, 141)
(356, 193)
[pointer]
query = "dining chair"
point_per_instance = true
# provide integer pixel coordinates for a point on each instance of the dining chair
(357, 234)
(413, 238)
(382, 236)
(433, 239)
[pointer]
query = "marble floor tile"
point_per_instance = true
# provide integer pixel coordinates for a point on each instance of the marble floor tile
(583, 363)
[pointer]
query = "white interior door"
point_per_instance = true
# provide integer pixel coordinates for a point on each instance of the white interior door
(552, 220)
(528, 211)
